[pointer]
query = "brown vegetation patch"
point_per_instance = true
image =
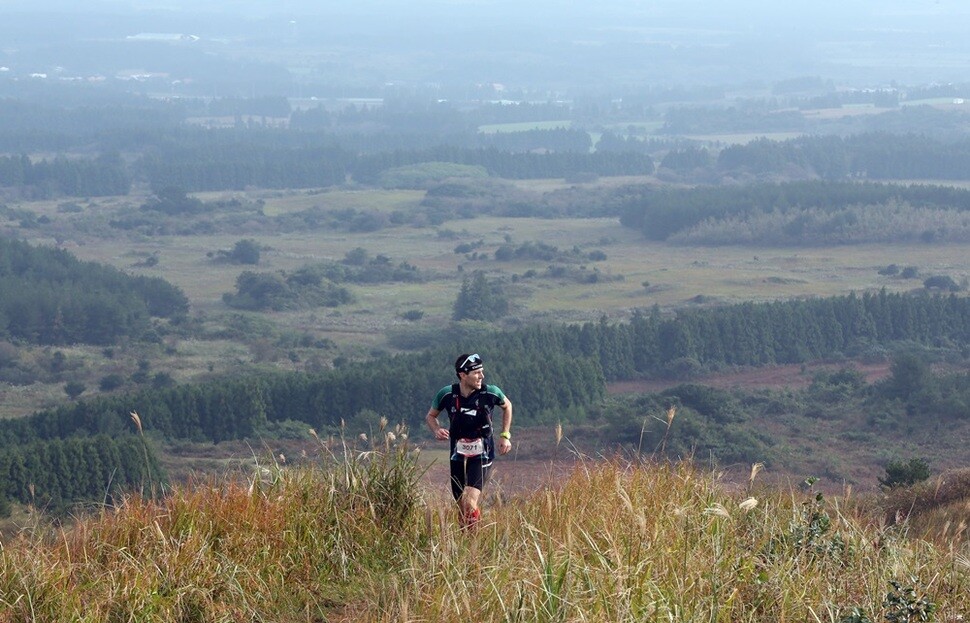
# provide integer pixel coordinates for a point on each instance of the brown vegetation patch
(937, 508)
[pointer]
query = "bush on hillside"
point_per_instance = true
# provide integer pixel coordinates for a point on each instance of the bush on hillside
(901, 473)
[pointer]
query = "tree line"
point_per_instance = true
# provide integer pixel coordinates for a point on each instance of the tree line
(867, 155)
(661, 213)
(55, 474)
(194, 160)
(234, 166)
(553, 372)
(399, 387)
(75, 177)
(51, 297)
(653, 344)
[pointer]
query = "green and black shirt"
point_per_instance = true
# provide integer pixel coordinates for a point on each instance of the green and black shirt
(470, 417)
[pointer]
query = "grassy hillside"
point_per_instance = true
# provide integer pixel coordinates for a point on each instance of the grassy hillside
(352, 536)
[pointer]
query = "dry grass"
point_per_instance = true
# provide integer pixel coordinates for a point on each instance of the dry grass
(278, 202)
(282, 544)
(937, 509)
(634, 542)
(354, 537)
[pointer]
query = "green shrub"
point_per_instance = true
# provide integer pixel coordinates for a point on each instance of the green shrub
(904, 606)
(73, 389)
(901, 473)
(110, 382)
(245, 252)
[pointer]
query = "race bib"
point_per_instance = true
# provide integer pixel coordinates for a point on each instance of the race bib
(470, 447)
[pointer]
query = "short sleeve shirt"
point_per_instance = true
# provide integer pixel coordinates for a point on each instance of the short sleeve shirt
(470, 417)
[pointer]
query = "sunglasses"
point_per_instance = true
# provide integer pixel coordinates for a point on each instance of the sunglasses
(470, 360)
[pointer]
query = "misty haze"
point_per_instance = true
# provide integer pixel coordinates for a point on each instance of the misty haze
(544, 48)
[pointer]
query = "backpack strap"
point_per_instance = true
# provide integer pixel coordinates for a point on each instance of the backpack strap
(456, 392)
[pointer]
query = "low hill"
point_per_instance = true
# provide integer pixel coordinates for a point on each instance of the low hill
(353, 537)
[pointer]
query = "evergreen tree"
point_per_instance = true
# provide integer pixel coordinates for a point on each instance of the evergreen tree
(480, 299)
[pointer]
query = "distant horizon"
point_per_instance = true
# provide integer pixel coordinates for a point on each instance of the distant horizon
(545, 44)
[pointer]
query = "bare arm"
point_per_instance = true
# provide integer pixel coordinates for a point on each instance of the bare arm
(507, 416)
(504, 445)
(432, 420)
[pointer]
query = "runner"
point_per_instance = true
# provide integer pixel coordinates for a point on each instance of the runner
(469, 404)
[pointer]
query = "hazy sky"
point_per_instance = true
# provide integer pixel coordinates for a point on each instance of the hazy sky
(559, 43)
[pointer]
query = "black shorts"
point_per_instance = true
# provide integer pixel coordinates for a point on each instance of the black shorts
(468, 472)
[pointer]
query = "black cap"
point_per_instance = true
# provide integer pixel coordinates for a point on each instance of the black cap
(467, 363)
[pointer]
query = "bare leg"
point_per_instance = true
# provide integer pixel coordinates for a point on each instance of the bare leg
(468, 506)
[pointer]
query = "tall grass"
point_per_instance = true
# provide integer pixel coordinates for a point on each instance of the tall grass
(661, 542)
(288, 544)
(354, 537)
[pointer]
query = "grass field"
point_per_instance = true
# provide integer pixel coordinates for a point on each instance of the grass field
(676, 274)
(638, 275)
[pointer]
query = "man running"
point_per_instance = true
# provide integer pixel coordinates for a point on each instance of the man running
(469, 404)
